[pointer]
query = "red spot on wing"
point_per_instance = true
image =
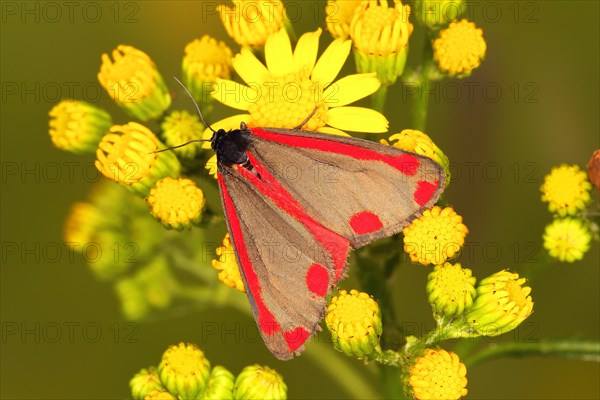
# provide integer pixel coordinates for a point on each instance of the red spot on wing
(317, 279)
(365, 222)
(295, 337)
(425, 191)
(408, 164)
(266, 322)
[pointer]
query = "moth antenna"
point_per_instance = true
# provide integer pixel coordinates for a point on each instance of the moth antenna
(307, 119)
(179, 145)
(195, 104)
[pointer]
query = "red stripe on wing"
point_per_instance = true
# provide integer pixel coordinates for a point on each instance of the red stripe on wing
(337, 246)
(405, 163)
(266, 321)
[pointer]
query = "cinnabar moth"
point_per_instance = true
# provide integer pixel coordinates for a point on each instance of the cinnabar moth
(292, 235)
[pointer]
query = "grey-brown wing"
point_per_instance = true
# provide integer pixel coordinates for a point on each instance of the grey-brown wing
(359, 189)
(287, 269)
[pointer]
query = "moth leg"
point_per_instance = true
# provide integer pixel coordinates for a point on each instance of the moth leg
(306, 120)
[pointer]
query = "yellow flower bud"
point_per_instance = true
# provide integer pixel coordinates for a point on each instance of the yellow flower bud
(134, 83)
(435, 236)
(354, 320)
(459, 49)
(438, 374)
(380, 37)
(176, 203)
(251, 22)
(566, 190)
(257, 382)
(567, 239)
(127, 155)
(451, 289)
(184, 371)
(77, 126)
(501, 304)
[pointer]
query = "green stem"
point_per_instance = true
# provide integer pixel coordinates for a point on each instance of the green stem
(575, 349)
(392, 382)
(420, 103)
(421, 80)
(378, 98)
(335, 365)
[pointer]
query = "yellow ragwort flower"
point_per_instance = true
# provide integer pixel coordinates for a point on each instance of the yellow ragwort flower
(205, 60)
(593, 169)
(438, 374)
(176, 203)
(567, 239)
(566, 190)
(251, 22)
(380, 36)
(134, 83)
(354, 320)
(220, 384)
(180, 127)
(77, 126)
(451, 289)
(501, 304)
(293, 84)
(229, 272)
(459, 49)
(418, 142)
(338, 16)
(184, 371)
(436, 13)
(259, 382)
(127, 155)
(144, 382)
(435, 237)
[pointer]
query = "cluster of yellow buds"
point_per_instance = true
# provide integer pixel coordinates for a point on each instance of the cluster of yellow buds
(184, 372)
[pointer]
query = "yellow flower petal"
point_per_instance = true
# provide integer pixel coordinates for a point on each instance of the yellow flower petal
(228, 123)
(357, 119)
(332, 131)
(350, 89)
(331, 62)
(211, 166)
(234, 94)
(305, 54)
(278, 54)
(249, 68)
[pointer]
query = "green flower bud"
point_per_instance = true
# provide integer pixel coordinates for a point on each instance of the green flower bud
(501, 304)
(144, 382)
(257, 382)
(77, 126)
(451, 289)
(184, 371)
(220, 384)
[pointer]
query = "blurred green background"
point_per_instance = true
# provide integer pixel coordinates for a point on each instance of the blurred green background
(532, 105)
